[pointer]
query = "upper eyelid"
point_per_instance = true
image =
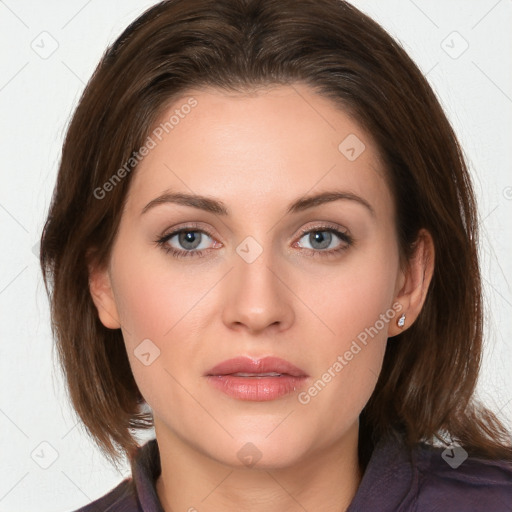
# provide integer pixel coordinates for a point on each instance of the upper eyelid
(327, 226)
(185, 229)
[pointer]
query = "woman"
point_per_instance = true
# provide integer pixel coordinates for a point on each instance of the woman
(263, 228)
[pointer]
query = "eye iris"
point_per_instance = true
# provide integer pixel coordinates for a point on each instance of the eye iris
(319, 236)
(189, 237)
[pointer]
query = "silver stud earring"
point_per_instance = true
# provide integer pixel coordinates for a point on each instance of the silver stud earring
(401, 321)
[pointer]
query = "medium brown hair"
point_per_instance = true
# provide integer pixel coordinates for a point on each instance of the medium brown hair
(426, 387)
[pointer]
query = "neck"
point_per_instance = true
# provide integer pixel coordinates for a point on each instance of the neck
(192, 481)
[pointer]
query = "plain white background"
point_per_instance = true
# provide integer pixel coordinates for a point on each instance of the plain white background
(49, 51)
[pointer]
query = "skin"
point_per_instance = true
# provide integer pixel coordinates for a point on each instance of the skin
(258, 153)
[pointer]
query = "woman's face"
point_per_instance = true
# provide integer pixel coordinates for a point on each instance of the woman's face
(260, 279)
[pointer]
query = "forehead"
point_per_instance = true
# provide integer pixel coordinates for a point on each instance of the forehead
(258, 149)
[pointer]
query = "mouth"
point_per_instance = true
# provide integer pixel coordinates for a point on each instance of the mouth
(257, 380)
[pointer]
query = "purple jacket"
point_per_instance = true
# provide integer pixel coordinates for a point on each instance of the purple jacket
(428, 479)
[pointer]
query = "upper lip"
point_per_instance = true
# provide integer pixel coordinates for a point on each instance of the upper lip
(264, 365)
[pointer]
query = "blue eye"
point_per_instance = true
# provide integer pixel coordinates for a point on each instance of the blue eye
(188, 238)
(323, 239)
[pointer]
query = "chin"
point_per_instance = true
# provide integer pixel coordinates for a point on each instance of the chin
(260, 451)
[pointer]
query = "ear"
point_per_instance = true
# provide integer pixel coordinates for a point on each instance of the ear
(102, 295)
(413, 282)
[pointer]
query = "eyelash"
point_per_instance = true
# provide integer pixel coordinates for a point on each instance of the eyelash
(193, 228)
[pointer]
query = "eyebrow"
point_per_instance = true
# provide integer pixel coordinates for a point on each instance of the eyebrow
(219, 208)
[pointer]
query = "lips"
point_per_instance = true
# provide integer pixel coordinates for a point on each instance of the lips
(259, 380)
(243, 366)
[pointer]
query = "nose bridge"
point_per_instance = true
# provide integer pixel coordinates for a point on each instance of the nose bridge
(256, 296)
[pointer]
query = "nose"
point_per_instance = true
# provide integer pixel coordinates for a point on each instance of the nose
(257, 296)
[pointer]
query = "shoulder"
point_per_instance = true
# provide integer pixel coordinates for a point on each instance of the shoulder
(449, 479)
(120, 499)
(428, 478)
(137, 493)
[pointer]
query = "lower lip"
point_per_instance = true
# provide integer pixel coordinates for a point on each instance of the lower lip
(256, 388)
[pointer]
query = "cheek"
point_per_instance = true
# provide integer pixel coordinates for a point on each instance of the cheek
(356, 305)
(165, 301)
(155, 295)
(157, 301)
(357, 293)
